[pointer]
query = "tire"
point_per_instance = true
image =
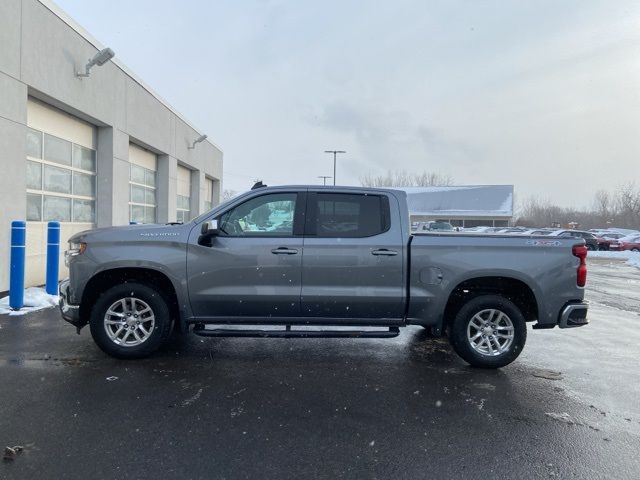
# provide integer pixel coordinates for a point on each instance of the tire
(145, 314)
(635, 250)
(478, 310)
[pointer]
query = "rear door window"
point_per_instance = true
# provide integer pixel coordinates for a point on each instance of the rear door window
(347, 215)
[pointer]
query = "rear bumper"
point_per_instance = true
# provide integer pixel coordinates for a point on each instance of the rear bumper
(574, 315)
(70, 312)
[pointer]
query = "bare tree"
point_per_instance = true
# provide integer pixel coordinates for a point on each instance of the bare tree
(603, 207)
(403, 178)
(628, 206)
(610, 209)
(535, 212)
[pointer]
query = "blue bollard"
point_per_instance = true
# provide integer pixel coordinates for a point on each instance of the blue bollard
(16, 272)
(53, 257)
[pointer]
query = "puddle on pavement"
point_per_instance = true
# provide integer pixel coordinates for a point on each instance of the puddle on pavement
(42, 363)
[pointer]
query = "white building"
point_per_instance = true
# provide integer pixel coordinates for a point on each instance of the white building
(463, 206)
(89, 152)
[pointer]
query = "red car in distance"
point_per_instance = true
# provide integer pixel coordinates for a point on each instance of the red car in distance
(630, 242)
(606, 238)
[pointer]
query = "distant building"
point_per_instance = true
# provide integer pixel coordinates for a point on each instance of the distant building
(463, 206)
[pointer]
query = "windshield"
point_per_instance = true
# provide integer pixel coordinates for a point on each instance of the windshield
(219, 207)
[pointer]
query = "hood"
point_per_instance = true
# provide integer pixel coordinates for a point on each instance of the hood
(128, 233)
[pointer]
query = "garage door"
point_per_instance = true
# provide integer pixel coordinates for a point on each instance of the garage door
(183, 202)
(142, 185)
(61, 180)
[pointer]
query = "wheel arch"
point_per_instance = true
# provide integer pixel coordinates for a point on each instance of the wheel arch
(108, 278)
(514, 289)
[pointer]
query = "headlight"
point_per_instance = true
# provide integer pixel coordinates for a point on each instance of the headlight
(75, 249)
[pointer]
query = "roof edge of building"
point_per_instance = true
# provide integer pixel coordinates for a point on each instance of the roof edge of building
(80, 30)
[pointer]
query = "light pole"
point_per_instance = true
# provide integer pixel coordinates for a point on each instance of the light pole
(324, 178)
(335, 152)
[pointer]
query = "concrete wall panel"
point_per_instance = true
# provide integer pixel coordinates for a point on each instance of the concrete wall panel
(120, 190)
(12, 99)
(52, 53)
(147, 120)
(104, 179)
(121, 143)
(12, 187)
(10, 24)
(166, 190)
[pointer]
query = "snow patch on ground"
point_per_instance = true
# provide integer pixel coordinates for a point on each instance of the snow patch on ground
(632, 258)
(35, 298)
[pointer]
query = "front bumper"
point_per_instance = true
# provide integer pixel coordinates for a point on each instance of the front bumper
(71, 313)
(574, 315)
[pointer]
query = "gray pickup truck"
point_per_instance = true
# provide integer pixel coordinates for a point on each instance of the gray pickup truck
(308, 261)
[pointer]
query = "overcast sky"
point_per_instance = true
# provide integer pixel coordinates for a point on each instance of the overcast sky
(544, 95)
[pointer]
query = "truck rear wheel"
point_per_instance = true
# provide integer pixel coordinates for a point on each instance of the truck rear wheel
(489, 331)
(130, 320)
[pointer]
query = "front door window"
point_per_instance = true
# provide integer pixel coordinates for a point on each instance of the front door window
(267, 215)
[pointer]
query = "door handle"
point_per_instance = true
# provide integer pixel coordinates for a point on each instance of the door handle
(284, 251)
(384, 251)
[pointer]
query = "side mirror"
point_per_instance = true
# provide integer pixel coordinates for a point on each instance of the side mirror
(210, 228)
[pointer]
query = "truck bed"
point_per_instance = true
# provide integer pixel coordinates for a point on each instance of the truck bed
(440, 263)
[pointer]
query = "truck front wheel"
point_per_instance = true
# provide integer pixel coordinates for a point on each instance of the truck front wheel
(130, 320)
(489, 331)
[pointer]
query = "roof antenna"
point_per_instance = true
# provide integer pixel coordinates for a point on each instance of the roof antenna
(258, 184)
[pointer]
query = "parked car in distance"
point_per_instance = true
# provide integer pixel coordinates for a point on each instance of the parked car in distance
(440, 226)
(434, 226)
(478, 229)
(483, 229)
(533, 231)
(625, 231)
(589, 238)
(512, 230)
(605, 239)
(630, 242)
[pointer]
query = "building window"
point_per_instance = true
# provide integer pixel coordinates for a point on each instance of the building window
(183, 210)
(61, 179)
(142, 194)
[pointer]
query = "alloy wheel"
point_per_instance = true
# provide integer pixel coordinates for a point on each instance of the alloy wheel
(490, 332)
(129, 322)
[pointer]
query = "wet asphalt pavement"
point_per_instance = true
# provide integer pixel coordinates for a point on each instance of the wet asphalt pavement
(293, 408)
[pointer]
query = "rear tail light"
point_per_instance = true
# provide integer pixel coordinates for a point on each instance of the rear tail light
(580, 251)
